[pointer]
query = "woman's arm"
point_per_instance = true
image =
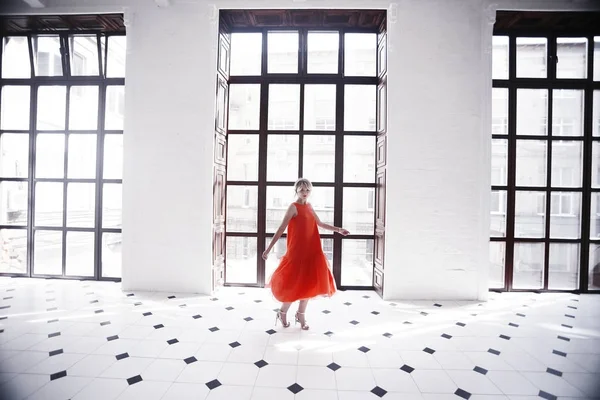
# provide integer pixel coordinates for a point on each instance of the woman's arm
(323, 225)
(290, 213)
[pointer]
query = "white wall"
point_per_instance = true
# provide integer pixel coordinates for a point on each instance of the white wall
(438, 150)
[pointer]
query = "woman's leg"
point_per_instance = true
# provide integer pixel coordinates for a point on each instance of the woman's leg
(300, 315)
(283, 313)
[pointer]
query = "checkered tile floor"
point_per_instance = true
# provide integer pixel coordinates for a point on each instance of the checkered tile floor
(89, 340)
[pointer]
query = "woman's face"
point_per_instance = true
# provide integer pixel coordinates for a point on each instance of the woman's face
(303, 192)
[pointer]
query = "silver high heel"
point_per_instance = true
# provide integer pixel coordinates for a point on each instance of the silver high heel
(280, 319)
(303, 324)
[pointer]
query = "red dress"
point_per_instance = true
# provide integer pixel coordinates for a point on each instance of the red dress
(303, 271)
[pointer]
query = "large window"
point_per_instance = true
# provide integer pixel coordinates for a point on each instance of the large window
(61, 126)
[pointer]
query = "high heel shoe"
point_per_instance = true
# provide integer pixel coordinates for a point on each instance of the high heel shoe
(282, 317)
(302, 321)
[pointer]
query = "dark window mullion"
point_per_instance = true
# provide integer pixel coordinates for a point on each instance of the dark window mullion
(99, 182)
(31, 171)
(548, 188)
(65, 184)
(511, 173)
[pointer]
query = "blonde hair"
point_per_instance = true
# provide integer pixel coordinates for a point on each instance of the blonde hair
(302, 182)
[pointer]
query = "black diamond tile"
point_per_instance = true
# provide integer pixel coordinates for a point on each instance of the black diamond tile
(258, 301)
(407, 368)
(461, 324)
(134, 379)
(229, 308)
(213, 329)
(55, 334)
(393, 304)
(572, 307)
(111, 338)
(520, 315)
(58, 375)
(295, 388)
(171, 297)
(198, 316)
(571, 299)
(566, 326)
(214, 299)
(130, 294)
(261, 363)
(139, 303)
(234, 345)
(375, 312)
(514, 325)
(172, 341)
(347, 304)
(424, 313)
(364, 349)
(388, 335)
(4, 307)
(326, 312)
(569, 316)
(559, 353)
(190, 360)
(462, 393)
(428, 350)
(213, 384)
(473, 315)
(98, 311)
(248, 319)
(554, 371)
(50, 299)
(354, 322)
(328, 333)
(7, 298)
(446, 336)
(271, 331)
(482, 371)
(52, 309)
(546, 395)
(56, 352)
(379, 392)
(407, 323)
(93, 301)
(159, 326)
(566, 339)
(1, 330)
(504, 337)
(437, 305)
(182, 305)
(104, 323)
(51, 321)
(495, 352)
(122, 356)
(147, 314)
(3, 318)
(366, 297)
(333, 366)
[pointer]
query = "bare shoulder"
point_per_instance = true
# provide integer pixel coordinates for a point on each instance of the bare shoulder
(292, 209)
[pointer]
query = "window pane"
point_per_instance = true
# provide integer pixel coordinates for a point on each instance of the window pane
(359, 107)
(14, 203)
(597, 58)
(242, 204)
(244, 106)
(358, 214)
(242, 157)
(14, 111)
(322, 201)
(80, 253)
(566, 163)
(357, 262)
(13, 246)
(532, 112)
(282, 158)
(530, 214)
(571, 54)
(596, 113)
(84, 55)
(117, 49)
(246, 53)
(531, 57)
(83, 107)
(499, 111)
(14, 155)
(497, 254)
(498, 213)
(595, 164)
(51, 107)
(563, 267)
(283, 52)
(360, 53)
(111, 255)
(499, 161)
(113, 157)
(531, 162)
(115, 108)
(81, 203)
(565, 215)
(278, 251)
(47, 257)
(528, 266)
(241, 260)
(359, 159)
(323, 52)
(47, 56)
(500, 61)
(48, 204)
(595, 216)
(15, 57)
(319, 107)
(279, 199)
(82, 156)
(50, 156)
(284, 107)
(319, 158)
(112, 205)
(567, 109)
(594, 267)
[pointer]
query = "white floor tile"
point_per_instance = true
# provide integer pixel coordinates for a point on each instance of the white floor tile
(432, 381)
(163, 370)
(266, 393)
(127, 368)
(512, 383)
(186, 391)
(147, 390)
(280, 376)
(238, 374)
(63, 388)
(354, 379)
(230, 392)
(102, 389)
(200, 372)
(23, 385)
(312, 377)
(473, 382)
(395, 380)
(552, 384)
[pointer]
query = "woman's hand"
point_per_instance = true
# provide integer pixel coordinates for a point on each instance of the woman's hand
(265, 254)
(343, 232)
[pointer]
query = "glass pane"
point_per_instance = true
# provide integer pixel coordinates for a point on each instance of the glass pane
(117, 49)
(360, 54)
(283, 52)
(82, 156)
(83, 107)
(596, 114)
(50, 156)
(358, 214)
(597, 58)
(357, 262)
(323, 52)
(497, 254)
(530, 214)
(282, 158)
(15, 57)
(595, 216)
(246, 53)
(47, 56)
(13, 247)
(500, 61)
(564, 266)
(49, 204)
(498, 213)
(531, 162)
(80, 253)
(115, 108)
(278, 251)
(528, 266)
(14, 107)
(499, 161)
(531, 57)
(111, 255)
(81, 202)
(565, 215)
(47, 256)
(242, 157)
(319, 158)
(113, 156)
(532, 112)
(84, 56)
(594, 267)
(244, 106)
(566, 163)
(567, 109)
(595, 164)
(284, 107)
(51, 107)
(499, 111)
(14, 206)
(319, 107)
(279, 199)
(14, 155)
(571, 54)
(360, 107)
(112, 205)
(242, 205)
(322, 201)
(241, 260)
(359, 159)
